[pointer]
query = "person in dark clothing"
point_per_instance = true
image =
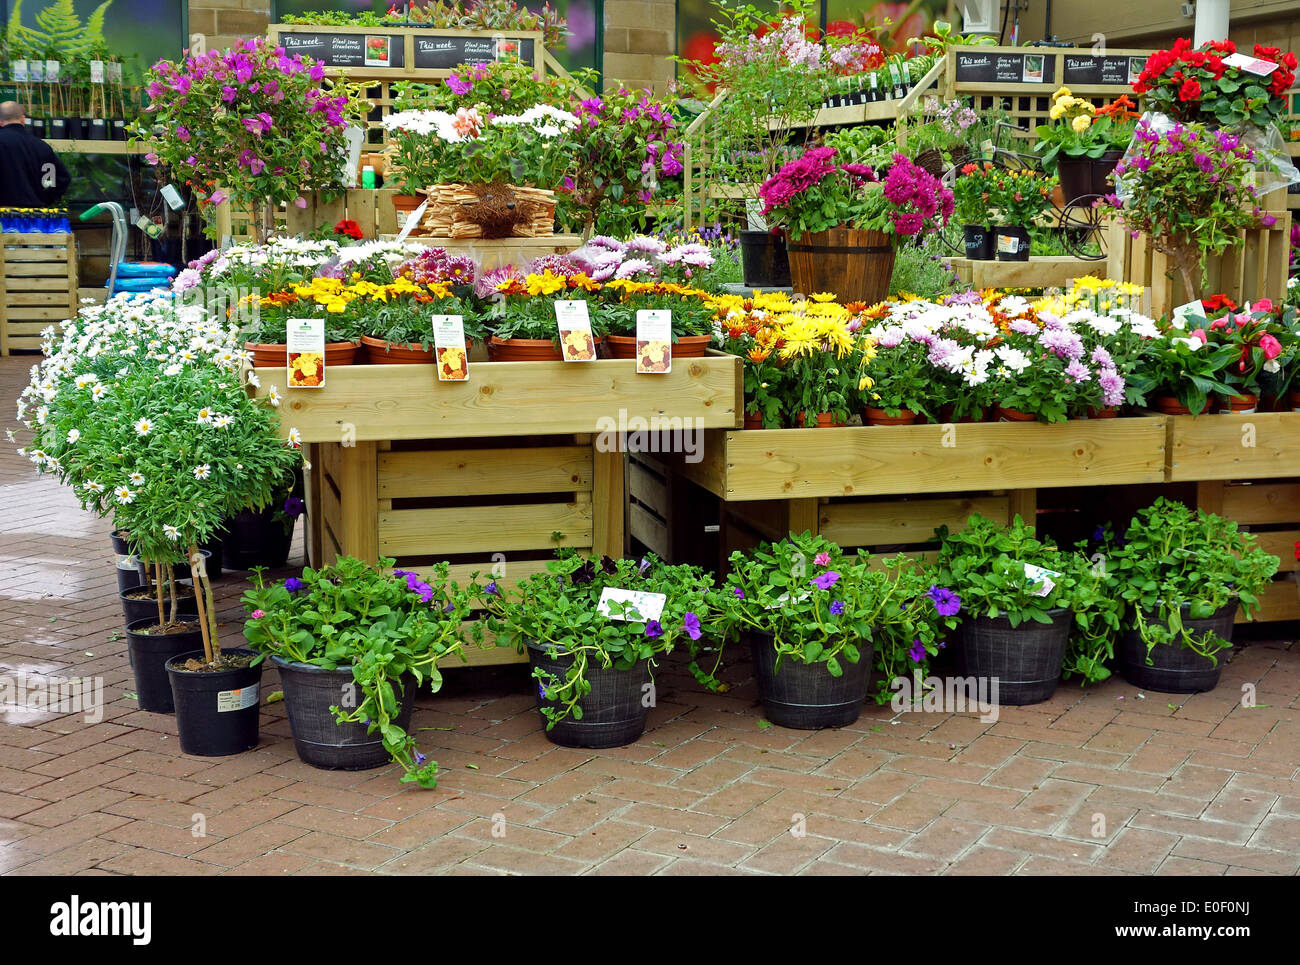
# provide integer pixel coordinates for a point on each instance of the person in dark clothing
(31, 174)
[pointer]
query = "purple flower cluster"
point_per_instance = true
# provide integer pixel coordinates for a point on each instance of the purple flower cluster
(1063, 342)
(796, 177)
(917, 196)
(946, 602)
(417, 586)
(433, 265)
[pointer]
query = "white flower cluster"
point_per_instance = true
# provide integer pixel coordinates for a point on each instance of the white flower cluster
(466, 124)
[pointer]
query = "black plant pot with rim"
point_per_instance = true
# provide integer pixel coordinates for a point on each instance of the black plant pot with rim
(76, 128)
(216, 710)
(310, 691)
(256, 539)
(763, 260)
(978, 241)
(149, 653)
(135, 609)
(613, 714)
(130, 572)
(1174, 668)
(1012, 243)
(58, 128)
(97, 129)
(1026, 661)
(806, 696)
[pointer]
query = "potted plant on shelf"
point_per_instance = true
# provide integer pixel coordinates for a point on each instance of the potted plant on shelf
(746, 332)
(812, 616)
(897, 381)
(1018, 592)
(1020, 197)
(329, 298)
(397, 321)
(521, 314)
(843, 224)
(1184, 572)
(972, 191)
(1181, 371)
(1257, 338)
(1081, 144)
(354, 644)
(593, 631)
(263, 537)
(692, 316)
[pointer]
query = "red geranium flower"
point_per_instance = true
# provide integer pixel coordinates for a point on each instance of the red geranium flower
(349, 228)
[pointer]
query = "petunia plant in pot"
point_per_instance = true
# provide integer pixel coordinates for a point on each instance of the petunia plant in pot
(1184, 572)
(593, 630)
(843, 223)
(354, 644)
(813, 617)
(1017, 592)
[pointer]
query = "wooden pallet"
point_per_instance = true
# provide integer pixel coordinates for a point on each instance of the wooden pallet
(38, 287)
(1269, 510)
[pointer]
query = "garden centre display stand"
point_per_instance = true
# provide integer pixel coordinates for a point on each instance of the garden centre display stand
(483, 473)
(38, 287)
(1038, 272)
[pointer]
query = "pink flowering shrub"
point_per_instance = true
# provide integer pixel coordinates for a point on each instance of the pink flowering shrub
(248, 124)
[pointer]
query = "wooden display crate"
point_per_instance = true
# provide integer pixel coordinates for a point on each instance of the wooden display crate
(1269, 510)
(369, 403)
(373, 213)
(1256, 269)
(855, 461)
(486, 508)
(1260, 445)
(1038, 272)
(38, 287)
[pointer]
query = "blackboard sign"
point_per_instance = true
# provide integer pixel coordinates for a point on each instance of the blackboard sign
(1086, 69)
(984, 67)
(347, 50)
(445, 52)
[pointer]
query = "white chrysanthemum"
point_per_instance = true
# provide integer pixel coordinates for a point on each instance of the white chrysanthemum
(205, 416)
(202, 471)
(136, 479)
(95, 487)
(171, 532)
(253, 380)
(143, 427)
(124, 495)
(274, 396)
(97, 392)
(74, 435)
(295, 438)
(222, 421)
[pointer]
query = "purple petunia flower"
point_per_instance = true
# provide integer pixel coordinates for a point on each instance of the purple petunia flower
(491, 589)
(740, 594)
(826, 580)
(692, 626)
(837, 607)
(946, 602)
(541, 690)
(420, 759)
(293, 507)
(917, 653)
(293, 584)
(653, 629)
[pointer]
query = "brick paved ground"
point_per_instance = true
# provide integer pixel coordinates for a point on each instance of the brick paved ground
(1102, 782)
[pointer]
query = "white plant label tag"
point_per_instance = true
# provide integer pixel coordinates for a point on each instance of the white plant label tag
(574, 322)
(1251, 65)
(1039, 580)
(306, 353)
(449, 348)
(412, 220)
(97, 72)
(648, 606)
(232, 700)
(654, 341)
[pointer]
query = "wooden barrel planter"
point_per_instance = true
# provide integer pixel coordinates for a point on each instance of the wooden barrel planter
(856, 265)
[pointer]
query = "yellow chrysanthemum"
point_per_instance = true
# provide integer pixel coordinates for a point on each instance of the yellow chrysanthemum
(1081, 123)
(544, 284)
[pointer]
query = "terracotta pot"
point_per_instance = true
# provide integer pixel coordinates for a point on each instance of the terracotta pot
(267, 355)
(879, 417)
(1243, 404)
(380, 352)
(827, 421)
(753, 422)
(1108, 412)
(1294, 399)
(686, 347)
(856, 265)
(946, 415)
(406, 203)
(1001, 414)
(526, 350)
(1169, 405)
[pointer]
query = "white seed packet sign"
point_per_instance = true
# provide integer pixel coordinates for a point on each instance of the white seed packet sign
(412, 220)
(306, 351)
(97, 72)
(19, 71)
(649, 606)
(232, 700)
(449, 347)
(785, 598)
(114, 72)
(654, 341)
(1193, 312)
(1251, 65)
(1039, 580)
(576, 342)
(51, 72)
(36, 71)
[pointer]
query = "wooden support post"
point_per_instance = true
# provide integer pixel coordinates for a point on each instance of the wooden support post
(313, 479)
(804, 515)
(608, 499)
(359, 499)
(1209, 496)
(1023, 503)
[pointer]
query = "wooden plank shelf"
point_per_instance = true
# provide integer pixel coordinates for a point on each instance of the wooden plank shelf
(1038, 272)
(859, 461)
(1260, 445)
(87, 146)
(387, 402)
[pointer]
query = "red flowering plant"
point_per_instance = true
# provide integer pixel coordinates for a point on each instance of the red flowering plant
(813, 194)
(348, 229)
(264, 125)
(1256, 335)
(1197, 85)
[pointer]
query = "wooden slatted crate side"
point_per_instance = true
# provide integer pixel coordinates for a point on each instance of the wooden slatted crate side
(852, 524)
(1270, 511)
(1222, 446)
(508, 471)
(505, 529)
(648, 505)
(38, 287)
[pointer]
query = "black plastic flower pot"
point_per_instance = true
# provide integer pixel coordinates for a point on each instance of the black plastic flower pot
(216, 710)
(806, 696)
(613, 714)
(58, 128)
(256, 539)
(212, 552)
(149, 653)
(763, 259)
(1173, 668)
(137, 607)
(309, 692)
(1026, 661)
(978, 242)
(76, 128)
(117, 129)
(97, 129)
(1011, 243)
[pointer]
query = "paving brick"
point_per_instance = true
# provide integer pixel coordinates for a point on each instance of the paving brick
(1259, 859)
(631, 864)
(1182, 867)
(1279, 832)
(981, 860)
(945, 838)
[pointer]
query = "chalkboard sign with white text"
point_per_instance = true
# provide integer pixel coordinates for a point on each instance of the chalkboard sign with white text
(984, 67)
(347, 50)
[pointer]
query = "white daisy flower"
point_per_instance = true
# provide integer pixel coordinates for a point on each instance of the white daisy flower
(95, 487)
(136, 479)
(274, 396)
(253, 380)
(173, 369)
(124, 495)
(171, 532)
(295, 438)
(96, 391)
(143, 427)
(222, 421)
(205, 415)
(202, 472)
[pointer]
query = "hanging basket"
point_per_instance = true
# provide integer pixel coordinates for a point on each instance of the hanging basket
(856, 265)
